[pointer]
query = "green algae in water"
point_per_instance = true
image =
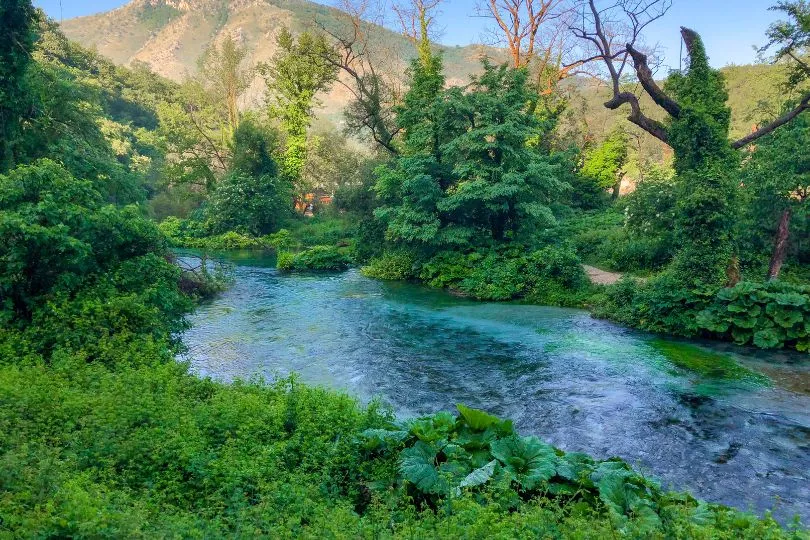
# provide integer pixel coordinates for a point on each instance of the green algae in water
(707, 364)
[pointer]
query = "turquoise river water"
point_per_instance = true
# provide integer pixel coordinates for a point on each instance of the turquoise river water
(579, 383)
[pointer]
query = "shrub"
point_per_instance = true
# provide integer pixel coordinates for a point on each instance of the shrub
(391, 265)
(182, 232)
(227, 241)
(496, 277)
(285, 260)
(316, 258)
(550, 275)
(663, 304)
(321, 230)
(769, 315)
(447, 269)
(280, 240)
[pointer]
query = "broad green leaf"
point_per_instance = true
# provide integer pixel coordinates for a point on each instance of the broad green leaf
(575, 466)
(418, 466)
(529, 460)
(374, 438)
(478, 476)
(767, 339)
(477, 419)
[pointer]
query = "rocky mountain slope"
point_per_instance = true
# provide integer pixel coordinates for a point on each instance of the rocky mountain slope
(171, 36)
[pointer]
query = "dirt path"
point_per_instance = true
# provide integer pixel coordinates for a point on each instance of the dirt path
(601, 277)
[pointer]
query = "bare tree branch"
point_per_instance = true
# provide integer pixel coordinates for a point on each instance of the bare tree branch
(804, 105)
(612, 34)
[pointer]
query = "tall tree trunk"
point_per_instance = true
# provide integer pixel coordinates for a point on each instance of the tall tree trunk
(780, 245)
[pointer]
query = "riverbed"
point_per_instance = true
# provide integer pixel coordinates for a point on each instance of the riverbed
(739, 436)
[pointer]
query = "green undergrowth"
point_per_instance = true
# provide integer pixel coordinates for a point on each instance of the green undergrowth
(551, 275)
(317, 259)
(151, 451)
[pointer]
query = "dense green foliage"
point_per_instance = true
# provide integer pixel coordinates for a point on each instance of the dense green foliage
(604, 164)
(769, 315)
(106, 434)
(300, 69)
(468, 176)
(17, 25)
(316, 258)
(251, 198)
(153, 451)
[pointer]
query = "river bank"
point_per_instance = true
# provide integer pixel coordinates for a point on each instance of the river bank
(580, 383)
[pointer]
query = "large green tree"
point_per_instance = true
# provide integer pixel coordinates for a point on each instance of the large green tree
(777, 176)
(468, 174)
(18, 21)
(252, 197)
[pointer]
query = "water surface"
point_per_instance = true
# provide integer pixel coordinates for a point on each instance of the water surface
(740, 437)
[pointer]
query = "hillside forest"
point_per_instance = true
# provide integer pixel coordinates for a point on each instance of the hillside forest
(561, 151)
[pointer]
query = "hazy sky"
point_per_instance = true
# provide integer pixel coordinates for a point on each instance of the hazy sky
(730, 28)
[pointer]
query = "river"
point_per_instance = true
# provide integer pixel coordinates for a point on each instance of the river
(579, 383)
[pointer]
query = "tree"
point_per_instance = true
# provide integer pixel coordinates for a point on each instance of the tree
(18, 21)
(56, 232)
(252, 197)
(468, 175)
(778, 174)
(605, 164)
(333, 161)
(697, 128)
(520, 22)
(417, 19)
(503, 185)
(297, 73)
(225, 77)
(194, 138)
(374, 93)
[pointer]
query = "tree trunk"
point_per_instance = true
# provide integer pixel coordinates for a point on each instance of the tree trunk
(780, 245)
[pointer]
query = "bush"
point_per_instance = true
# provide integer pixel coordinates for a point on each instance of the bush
(663, 304)
(605, 240)
(495, 277)
(285, 261)
(322, 230)
(391, 265)
(769, 315)
(182, 232)
(549, 275)
(316, 258)
(280, 240)
(227, 241)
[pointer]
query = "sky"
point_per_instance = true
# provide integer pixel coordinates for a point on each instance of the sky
(730, 28)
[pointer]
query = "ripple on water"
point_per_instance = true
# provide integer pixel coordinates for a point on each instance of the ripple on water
(738, 435)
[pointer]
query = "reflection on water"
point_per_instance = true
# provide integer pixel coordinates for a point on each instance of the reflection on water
(582, 384)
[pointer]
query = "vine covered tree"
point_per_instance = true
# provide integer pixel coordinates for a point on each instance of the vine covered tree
(696, 127)
(297, 73)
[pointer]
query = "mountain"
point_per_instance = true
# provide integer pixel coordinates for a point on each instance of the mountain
(171, 35)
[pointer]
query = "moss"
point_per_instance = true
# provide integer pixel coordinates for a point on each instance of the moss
(708, 364)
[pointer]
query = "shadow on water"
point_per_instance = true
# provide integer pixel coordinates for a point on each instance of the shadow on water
(732, 425)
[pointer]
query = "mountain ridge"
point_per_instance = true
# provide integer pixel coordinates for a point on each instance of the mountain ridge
(171, 35)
